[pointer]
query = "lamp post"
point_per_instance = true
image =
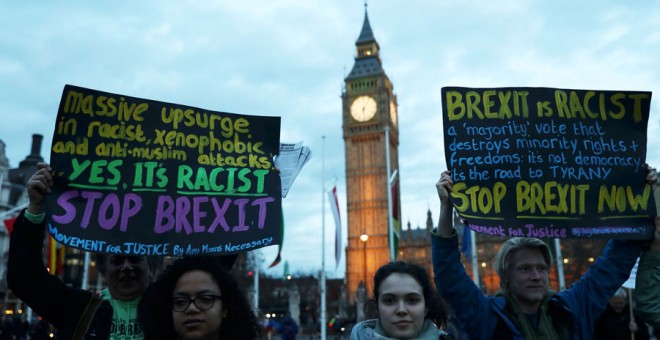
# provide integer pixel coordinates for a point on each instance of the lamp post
(364, 237)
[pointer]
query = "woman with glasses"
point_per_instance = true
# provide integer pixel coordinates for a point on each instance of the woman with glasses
(196, 298)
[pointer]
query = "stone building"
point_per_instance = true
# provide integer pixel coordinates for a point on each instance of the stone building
(13, 198)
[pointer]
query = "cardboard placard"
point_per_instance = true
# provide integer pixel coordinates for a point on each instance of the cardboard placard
(143, 177)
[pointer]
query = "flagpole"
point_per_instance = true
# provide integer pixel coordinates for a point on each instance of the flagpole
(390, 221)
(630, 309)
(85, 276)
(560, 266)
(323, 317)
(473, 248)
(257, 264)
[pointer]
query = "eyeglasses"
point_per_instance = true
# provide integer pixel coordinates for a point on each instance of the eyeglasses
(202, 302)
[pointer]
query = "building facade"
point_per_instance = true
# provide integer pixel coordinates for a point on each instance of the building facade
(13, 198)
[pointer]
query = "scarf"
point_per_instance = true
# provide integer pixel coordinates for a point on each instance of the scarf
(373, 330)
(545, 330)
(125, 325)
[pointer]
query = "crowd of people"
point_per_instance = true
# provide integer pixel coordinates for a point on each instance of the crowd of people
(196, 297)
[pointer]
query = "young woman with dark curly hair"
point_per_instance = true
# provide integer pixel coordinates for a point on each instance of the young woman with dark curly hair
(408, 307)
(196, 298)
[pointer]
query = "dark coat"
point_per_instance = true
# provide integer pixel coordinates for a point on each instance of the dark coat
(614, 326)
(64, 307)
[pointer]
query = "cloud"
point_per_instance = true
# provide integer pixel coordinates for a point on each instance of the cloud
(289, 58)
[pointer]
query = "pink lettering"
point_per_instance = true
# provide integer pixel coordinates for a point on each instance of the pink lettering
(220, 215)
(164, 211)
(110, 202)
(69, 209)
(198, 213)
(182, 209)
(261, 202)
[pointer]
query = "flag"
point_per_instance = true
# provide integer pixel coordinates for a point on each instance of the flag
(278, 258)
(334, 206)
(61, 253)
(396, 225)
(550, 242)
(9, 224)
(466, 243)
(466, 239)
(54, 256)
(630, 283)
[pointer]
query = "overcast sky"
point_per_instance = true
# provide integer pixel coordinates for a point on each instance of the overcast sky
(289, 58)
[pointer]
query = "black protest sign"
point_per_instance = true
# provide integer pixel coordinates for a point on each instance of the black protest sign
(545, 162)
(143, 177)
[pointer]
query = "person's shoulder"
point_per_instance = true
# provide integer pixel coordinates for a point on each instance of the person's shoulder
(364, 326)
(497, 301)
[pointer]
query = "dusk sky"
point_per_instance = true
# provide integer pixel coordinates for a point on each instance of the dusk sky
(289, 58)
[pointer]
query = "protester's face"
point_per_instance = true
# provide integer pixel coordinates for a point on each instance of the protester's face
(401, 306)
(127, 276)
(194, 323)
(617, 303)
(527, 278)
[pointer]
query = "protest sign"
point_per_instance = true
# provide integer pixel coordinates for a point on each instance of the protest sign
(143, 177)
(545, 162)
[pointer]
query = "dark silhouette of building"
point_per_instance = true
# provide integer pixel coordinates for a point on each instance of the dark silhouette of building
(13, 198)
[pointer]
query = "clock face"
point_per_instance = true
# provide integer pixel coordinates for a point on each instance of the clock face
(393, 112)
(363, 108)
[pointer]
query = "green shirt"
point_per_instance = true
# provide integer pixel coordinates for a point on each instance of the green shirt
(125, 325)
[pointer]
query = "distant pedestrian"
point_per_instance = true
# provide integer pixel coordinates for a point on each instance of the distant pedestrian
(288, 328)
(41, 331)
(615, 322)
(6, 328)
(647, 286)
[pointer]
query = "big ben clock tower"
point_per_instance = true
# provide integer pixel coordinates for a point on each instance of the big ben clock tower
(369, 110)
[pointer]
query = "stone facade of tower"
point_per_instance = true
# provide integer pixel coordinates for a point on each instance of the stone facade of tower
(369, 116)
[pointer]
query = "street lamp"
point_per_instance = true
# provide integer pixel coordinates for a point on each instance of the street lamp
(364, 237)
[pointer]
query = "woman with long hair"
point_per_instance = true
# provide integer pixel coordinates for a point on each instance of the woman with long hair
(407, 305)
(196, 298)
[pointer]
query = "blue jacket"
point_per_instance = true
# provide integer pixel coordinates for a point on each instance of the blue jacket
(579, 305)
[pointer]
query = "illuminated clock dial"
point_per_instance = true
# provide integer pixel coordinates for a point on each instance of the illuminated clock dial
(393, 115)
(363, 108)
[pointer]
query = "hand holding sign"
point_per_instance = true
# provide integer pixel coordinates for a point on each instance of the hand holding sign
(38, 186)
